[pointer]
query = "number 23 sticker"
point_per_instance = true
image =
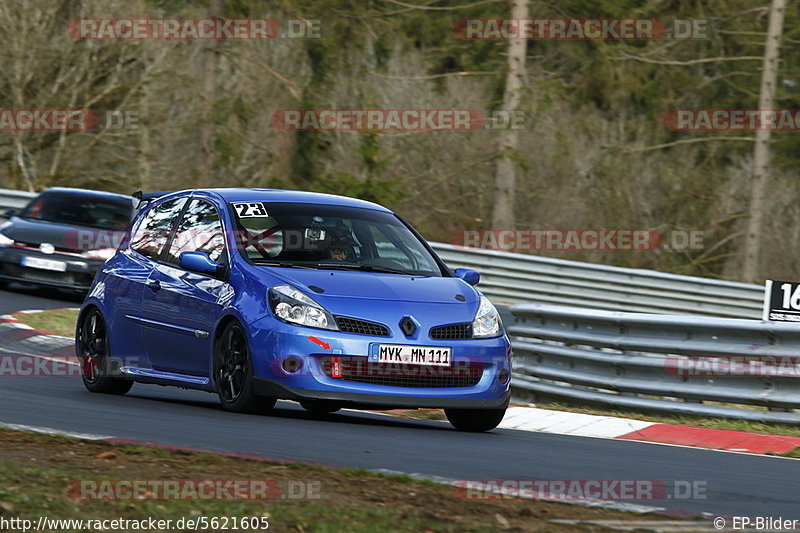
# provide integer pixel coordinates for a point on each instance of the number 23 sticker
(250, 209)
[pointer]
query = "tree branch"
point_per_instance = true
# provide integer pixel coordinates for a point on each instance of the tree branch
(689, 62)
(434, 76)
(432, 8)
(679, 142)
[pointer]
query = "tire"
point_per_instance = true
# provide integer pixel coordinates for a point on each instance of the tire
(320, 407)
(93, 353)
(233, 373)
(475, 420)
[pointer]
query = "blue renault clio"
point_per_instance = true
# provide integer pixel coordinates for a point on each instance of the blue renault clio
(260, 294)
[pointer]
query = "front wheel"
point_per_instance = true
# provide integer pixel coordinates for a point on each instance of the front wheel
(233, 373)
(93, 353)
(475, 420)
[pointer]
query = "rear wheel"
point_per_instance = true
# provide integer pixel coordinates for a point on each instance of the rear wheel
(475, 420)
(233, 373)
(320, 407)
(93, 353)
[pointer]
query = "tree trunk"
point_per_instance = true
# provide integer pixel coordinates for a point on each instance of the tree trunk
(505, 176)
(766, 98)
(209, 78)
(145, 154)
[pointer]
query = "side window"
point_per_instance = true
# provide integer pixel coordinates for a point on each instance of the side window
(153, 232)
(200, 230)
(392, 251)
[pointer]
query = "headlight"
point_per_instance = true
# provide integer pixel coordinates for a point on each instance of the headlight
(5, 241)
(487, 320)
(104, 253)
(294, 307)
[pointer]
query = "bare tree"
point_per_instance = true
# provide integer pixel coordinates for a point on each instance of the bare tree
(209, 79)
(766, 98)
(505, 177)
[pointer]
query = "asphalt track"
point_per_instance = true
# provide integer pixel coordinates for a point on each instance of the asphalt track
(736, 484)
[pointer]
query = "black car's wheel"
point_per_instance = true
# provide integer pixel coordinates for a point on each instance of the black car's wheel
(233, 373)
(93, 353)
(320, 407)
(475, 419)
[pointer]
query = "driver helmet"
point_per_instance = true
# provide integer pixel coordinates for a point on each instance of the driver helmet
(342, 245)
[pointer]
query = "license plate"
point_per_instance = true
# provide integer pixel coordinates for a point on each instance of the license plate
(44, 264)
(412, 355)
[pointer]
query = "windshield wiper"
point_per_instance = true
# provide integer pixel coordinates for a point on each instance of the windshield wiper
(365, 268)
(268, 262)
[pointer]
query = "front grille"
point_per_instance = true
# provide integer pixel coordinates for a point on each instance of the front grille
(362, 327)
(358, 369)
(452, 331)
(35, 246)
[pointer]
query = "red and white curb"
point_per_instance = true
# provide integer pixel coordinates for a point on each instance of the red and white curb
(609, 427)
(18, 339)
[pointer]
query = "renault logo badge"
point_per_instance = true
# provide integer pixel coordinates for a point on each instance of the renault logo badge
(408, 326)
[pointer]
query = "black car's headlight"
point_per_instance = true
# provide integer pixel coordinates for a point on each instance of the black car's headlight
(5, 241)
(487, 321)
(292, 306)
(104, 254)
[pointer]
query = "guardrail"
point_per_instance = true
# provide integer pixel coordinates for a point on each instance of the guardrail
(518, 278)
(10, 199)
(672, 364)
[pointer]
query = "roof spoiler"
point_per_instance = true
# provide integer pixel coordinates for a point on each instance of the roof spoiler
(141, 199)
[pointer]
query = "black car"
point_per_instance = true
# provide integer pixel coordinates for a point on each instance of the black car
(62, 237)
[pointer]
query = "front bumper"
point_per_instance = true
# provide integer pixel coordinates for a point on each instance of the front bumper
(78, 275)
(355, 400)
(478, 377)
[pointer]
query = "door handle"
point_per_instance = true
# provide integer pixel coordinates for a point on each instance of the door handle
(154, 285)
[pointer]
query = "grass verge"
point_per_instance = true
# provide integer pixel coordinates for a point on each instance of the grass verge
(56, 322)
(36, 471)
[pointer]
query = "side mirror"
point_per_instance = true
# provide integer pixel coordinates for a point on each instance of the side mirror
(8, 213)
(472, 277)
(200, 262)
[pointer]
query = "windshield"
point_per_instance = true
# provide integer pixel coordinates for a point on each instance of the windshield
(332, 237)
(80, 210)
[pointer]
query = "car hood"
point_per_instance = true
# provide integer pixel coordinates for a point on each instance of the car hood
(377, 286)
(62, 236)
